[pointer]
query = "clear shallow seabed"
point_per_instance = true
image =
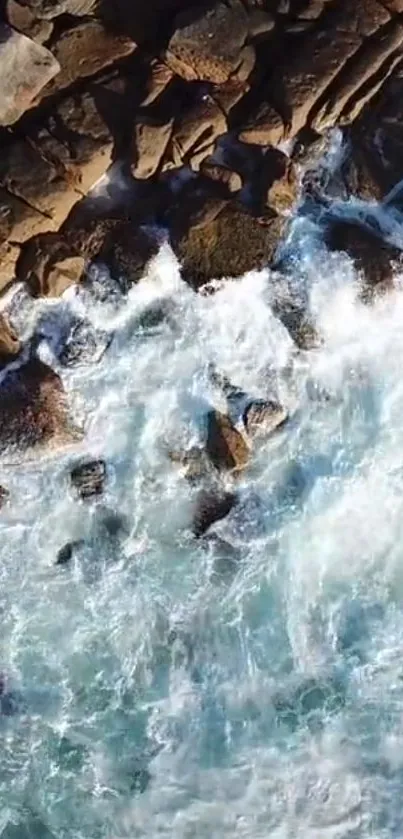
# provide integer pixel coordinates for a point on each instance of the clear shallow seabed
(163, 690)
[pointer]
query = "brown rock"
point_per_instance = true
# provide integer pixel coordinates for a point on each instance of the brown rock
(206, 44)
(84, 50)
(88, 478)
(261, 417)
(25, 67)
(160, 77)
(33, 408)
(128, 251)
(47, 265)
(225, 446)
(150, 140)
(9, 343)
(229, 245)
(211, 506)
(373, 258)
(265, 127)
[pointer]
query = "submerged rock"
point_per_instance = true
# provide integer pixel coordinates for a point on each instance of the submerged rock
(66, 553)
(33, 408)
(225, 446)
(211, 505)
(373, 258)
(88, 479)
(4, 494)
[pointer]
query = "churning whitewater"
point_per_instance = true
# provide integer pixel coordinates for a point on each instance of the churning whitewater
(161, 686)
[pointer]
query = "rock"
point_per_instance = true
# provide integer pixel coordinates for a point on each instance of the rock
(193, 462)
(84, 50)
(373, 258)
(26, 67)
(206, 44)
(150, 140)
(231, 180)
(9, 343)
(21, 18)
(4, 494)
(53, 8)
(229, 245)
(261, 417)
(159, 78)
(128, 251)
(33, 409)
(195, 134)
(88, 478)
(225, 446)
(280, 181)
(33, 828)
(48, 266)
(66, 553)
(211, 506)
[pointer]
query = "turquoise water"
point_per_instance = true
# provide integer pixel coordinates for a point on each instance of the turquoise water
(162, 688)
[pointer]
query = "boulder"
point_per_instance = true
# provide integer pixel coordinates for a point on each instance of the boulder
(33, 409)
(228, 178)
(195, 133)
(9, 343)
(128, 252)
(373, 258)
(193, 463)
(160, 76)
(20, 17)
(279, 181)
(88, 478)
(84, 50)
(211, 506)
(26, 67)
(225, 446)
(229, 245)
(261, 417)
(66, 553)
(206, 43)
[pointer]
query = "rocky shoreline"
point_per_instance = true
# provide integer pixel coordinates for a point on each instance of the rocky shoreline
(197, 123)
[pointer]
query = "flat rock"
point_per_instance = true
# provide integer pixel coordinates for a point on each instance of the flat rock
(206, 44)
(88, 478)
(26, 67)
(85, 50)
(225, 446)
(229, 245)
(33, 409)
(211, 505)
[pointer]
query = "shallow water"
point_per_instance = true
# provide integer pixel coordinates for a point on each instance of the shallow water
(163, 688)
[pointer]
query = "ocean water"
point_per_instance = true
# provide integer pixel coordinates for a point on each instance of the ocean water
(158, 686)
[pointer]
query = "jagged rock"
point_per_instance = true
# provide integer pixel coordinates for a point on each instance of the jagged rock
(33, 408)
(150, 140)
(225, 446)
(195, 133)
(20, 17)
(373, 258)
(48, 266)
(9, 343)
(128, 252)
(231, 180)
(211, 506)
(88, 478)
(208, 252)
(262, 416)
(54, 8)
(160, 77)
(206, 44)
(85, 50)
(26, 67)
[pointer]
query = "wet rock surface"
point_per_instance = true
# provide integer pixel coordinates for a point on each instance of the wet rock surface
(88, 479)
